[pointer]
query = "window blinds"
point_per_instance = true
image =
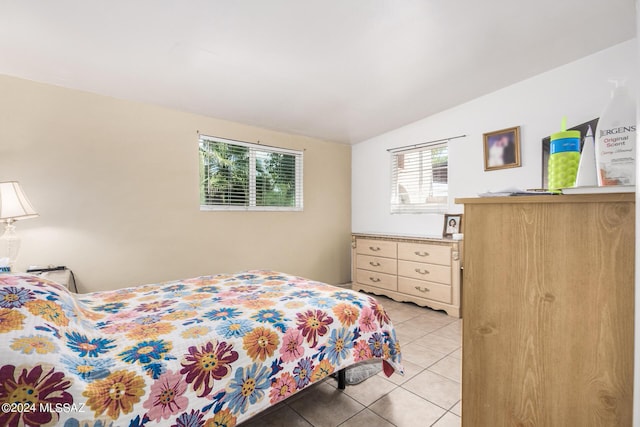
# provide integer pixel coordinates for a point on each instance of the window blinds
(420, 179)
(238, 175)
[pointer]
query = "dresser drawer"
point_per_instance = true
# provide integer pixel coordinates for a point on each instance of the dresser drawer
(377, 248)
(422, 252)
(379, 280)
(421, 288)
(380, 264)
(423, 271)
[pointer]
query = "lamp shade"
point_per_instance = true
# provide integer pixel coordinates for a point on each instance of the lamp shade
(14, 205)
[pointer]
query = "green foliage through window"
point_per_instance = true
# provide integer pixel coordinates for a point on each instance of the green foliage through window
(239, 175)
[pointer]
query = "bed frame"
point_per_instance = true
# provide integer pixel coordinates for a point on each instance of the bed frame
(342, 379)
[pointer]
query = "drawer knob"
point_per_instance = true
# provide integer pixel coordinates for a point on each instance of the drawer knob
(374, 248)
(374, 279)
(420, 271)
(421, 289)
(374, 264)
(421, 253)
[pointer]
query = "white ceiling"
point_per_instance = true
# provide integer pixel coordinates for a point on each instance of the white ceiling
(341, 70)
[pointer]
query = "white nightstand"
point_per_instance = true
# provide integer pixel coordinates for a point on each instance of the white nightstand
(63, 277)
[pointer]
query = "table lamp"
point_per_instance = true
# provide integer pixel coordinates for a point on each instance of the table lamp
(14, 206)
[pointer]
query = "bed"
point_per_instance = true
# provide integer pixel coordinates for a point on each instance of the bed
(212, 350)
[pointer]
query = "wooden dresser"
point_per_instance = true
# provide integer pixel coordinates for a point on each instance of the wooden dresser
(421, 270)
(548, 311)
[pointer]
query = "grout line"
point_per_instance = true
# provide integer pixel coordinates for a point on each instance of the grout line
(382, 416)
(443, 415)
(395, 386)
(354, 415)
(427, 400)
(364, 409)
(436, 421)
(300, 415)
(450, 409)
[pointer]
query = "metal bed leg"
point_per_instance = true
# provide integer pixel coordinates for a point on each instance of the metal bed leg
(342, 379)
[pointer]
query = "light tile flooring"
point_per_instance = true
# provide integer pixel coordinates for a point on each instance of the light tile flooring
(427, 395)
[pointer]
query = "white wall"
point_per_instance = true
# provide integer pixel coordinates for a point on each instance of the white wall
(578, 90)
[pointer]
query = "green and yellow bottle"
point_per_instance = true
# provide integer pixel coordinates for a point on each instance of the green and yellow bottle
(564, 158)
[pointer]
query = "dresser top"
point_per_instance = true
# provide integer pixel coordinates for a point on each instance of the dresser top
(572, 198)
(406, 237)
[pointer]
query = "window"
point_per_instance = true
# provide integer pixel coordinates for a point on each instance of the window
(242, 176)
(420, 179)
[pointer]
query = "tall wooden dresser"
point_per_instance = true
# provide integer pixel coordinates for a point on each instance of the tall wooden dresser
(549, 311)
(421, 270)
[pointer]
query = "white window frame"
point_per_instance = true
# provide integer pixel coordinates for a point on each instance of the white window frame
(418, 181)
(253, 149)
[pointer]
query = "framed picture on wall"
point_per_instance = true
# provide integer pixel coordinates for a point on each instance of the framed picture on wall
(502, 149)
(452, 225)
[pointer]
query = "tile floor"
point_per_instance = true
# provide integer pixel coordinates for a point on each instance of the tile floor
(427, 395)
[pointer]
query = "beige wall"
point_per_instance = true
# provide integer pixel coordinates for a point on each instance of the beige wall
(116, 186)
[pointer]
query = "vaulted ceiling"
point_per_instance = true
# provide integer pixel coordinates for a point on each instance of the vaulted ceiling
(340, 70)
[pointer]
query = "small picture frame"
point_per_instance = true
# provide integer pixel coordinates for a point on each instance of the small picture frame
(452, 225)
(502, 149)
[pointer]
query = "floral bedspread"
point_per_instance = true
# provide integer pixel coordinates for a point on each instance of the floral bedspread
(209, 351)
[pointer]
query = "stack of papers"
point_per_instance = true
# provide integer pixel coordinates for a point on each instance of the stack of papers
(515, 192)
